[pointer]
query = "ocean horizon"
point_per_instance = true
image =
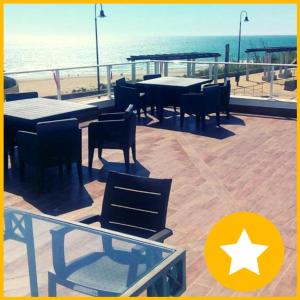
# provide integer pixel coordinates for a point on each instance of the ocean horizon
(34, 54)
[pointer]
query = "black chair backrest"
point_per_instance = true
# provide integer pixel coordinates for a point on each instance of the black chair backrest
(21, 96)
(59, 137)
(225, 92)
(212, 97)
(124, 96)
(121, 82)
(135, 205)
(151, 76)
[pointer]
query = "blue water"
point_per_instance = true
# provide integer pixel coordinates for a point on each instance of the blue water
(50, 54)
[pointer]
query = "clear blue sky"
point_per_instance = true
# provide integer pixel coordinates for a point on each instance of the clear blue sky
(76, 21)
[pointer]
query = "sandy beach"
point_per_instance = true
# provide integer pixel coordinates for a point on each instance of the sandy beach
(254, 87)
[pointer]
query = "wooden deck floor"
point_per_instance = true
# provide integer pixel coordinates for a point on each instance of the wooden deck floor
(249, 164)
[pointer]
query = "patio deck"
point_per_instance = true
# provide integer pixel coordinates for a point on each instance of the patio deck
(247, 165)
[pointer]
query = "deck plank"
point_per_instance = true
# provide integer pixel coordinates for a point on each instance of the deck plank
(247, 165)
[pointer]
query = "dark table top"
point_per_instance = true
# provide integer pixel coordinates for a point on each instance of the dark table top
(42, 109)
(174, 82)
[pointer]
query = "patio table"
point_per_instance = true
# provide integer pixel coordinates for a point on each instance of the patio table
(28, 112)
(25, 114)
(167, 89)
(128, 267)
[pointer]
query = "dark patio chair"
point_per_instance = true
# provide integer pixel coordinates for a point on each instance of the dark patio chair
(150, 95)
(55, 143)
(122, 82)
(113, 131)
(21, 96)
(201, 104)
(124, 96)
(151, 76)
(225, 97)
(132, 205)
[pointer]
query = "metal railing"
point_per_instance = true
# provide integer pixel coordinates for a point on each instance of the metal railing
(211, 69)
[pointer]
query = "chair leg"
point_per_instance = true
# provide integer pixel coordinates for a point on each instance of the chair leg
(145, 111)
(133, 149)
(160, 113)
(139, 114)
(203, 122)
(100, 153)
(79, 171)
(22, 170)
(181, 117)
(227, 112)
(198, 120)
(152, 110)
(91, 156)
(174, 108)
(218, 118)
(126, 157)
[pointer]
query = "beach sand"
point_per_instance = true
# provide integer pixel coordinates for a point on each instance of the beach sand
(254, 87)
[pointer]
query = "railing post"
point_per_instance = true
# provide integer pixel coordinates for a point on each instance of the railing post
(161, 68)
(210, 71)
(271, 82)
(58, 87)
(216, 71)
(247, 68)
(148, 67)
(193, 68)
(108, 75)
(188, 69)
(166, 71)
(133, 73)
(156, 67)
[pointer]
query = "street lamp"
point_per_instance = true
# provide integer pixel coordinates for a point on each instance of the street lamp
(101, 15)
(239, 48)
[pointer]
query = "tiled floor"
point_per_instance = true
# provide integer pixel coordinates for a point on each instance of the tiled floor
(249, 164)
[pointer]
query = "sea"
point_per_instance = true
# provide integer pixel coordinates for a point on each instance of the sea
(36, 55)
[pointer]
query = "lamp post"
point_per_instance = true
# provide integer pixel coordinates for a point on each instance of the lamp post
(237, 79)
(101, 15)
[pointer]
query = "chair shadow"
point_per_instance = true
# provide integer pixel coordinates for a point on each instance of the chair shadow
(135, 168)
(171, 121)
(61, 193)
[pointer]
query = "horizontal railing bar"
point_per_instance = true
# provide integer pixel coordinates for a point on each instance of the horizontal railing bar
(153, 61)
(223, 63)
(71, 68)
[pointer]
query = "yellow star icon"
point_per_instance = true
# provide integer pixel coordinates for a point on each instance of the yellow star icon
(244, 251)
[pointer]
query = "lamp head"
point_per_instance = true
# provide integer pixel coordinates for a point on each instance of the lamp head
(101, 14)
(246, 19)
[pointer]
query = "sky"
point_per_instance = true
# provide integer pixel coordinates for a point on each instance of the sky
(71, 21)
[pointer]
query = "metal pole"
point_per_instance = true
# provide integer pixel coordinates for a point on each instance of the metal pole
(237, 78)
(97, 50)
(271, 82)
(58, 87)
(133, 73)
(108, 72)
(216, 71)
(226, 67)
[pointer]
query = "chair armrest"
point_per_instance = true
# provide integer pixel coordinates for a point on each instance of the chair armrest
(161, 235)
(90, 219)
(111, 116)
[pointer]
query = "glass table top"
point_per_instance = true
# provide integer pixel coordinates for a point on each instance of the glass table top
(88, 260)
